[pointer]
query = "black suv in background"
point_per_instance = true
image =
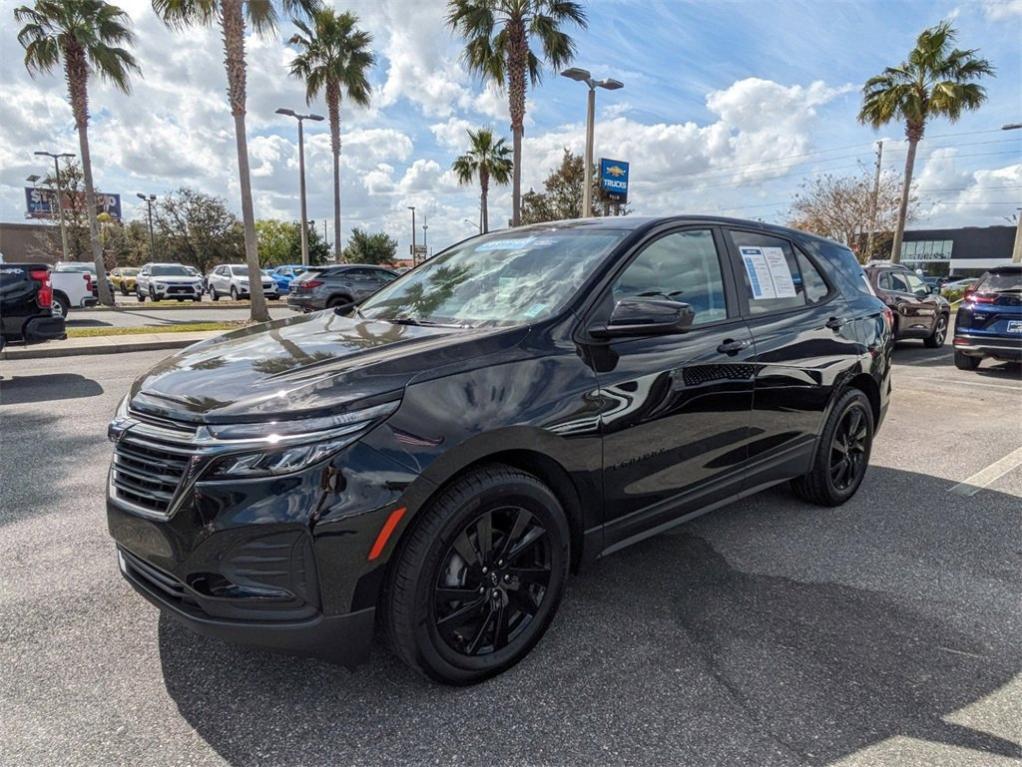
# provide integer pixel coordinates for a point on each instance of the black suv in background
(919, 309)
(336, 287)
(989, 321)
(522, 403)
(26, 305)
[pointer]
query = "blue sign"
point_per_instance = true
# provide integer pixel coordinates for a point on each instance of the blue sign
(42, 203)
(614, 180)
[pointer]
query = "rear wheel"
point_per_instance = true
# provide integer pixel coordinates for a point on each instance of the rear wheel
(842, 455)
(936, 339)
(479, 577)
(339, 302)
(63, 305)
(966, 362)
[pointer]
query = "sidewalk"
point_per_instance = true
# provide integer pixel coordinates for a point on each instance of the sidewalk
(140, 342)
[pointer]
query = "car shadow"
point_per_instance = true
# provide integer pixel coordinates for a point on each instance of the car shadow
(19, 390)
(71, 321)
(666, 652)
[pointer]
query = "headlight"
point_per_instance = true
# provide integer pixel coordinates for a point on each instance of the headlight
(282, 447)
(160, 284)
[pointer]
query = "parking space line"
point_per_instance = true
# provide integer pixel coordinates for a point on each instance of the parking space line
(990, 474)
(969, 383)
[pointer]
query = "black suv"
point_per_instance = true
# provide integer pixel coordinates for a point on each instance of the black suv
(919, 309)
(518, 405)
(336, 287)
(26, 305)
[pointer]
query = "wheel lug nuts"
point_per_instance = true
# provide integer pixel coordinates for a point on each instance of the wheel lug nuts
(484, 571)
(482, 589)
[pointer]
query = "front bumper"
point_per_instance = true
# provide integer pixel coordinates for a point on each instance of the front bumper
(178, 291)
(304, 303)
(999, 347)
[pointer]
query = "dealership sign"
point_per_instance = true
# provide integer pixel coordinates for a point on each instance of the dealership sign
(614, 180)
(42, 203)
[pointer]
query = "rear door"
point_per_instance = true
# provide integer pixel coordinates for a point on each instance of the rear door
(803, 342)
(675, 408)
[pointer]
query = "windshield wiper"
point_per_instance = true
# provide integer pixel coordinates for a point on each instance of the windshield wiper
(423, 323)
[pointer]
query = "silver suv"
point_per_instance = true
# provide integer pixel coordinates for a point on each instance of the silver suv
(336, 286)
(166, 281)
(233, 280)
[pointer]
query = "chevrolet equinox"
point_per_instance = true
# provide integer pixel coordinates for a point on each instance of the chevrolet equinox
(431, 467)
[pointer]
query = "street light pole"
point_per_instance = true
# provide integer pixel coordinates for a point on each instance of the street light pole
(1016, 251)
(60, 202)
(301, 173)
(873, 203)
(412, 209)
(585, 76)
(149, 205)
(425, 246)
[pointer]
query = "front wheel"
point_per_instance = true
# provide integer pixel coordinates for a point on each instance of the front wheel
(234, 293)
(966, 362)
(936, 339)
(842, 454)
(479, 577)
(213, 294)
(124, 289)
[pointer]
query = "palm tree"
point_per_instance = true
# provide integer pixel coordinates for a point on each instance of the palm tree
(487, 159)
(501, 39)
(232, 16)
(334, 57)
(935, 80)
(87, 38)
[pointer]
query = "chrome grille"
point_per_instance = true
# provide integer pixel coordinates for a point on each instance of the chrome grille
(150, 461)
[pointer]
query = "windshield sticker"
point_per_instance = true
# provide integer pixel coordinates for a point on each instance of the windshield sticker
(516, 244)
(769, 275)
(535, 309)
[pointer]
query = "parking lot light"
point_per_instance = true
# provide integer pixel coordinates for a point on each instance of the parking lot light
(585, 76)
(301, 173)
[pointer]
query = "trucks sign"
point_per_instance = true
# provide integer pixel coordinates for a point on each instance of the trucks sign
(614, 180)
(42, 203)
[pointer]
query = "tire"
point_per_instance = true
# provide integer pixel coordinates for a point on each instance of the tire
(842, 455)
(213, 294)
(152, 294)
(965, 362)
(274, 298)
(510, 600)
(124, 289)
(140, 296)
(936, 339)
(338, 302)
(65, 306)
(234, 293)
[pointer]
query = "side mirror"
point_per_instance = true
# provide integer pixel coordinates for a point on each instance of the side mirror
(645, 317)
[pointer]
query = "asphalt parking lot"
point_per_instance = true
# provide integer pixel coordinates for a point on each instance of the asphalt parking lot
(884, 632)
(134, 315)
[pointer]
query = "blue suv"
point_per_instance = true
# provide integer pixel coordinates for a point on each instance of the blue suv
(989, 320)
(284, 274)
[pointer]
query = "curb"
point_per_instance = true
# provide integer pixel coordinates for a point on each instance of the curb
(46, 351)
(177, 307)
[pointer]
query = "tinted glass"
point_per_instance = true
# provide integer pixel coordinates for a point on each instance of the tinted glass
(501, 279)
(771, 274)
(682, 266)
(1001, 282)
(812, 281)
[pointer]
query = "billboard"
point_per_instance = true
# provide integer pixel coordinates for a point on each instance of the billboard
(614, 180)
(42, 203)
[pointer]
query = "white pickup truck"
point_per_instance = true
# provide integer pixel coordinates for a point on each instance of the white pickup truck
(72, 287)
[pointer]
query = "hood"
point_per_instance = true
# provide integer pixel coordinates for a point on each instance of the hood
(308, 365)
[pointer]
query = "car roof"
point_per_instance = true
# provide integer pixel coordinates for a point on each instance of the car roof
(1007, 268)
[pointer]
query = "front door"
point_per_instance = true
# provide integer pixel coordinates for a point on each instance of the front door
(916, 307)
(675, 408)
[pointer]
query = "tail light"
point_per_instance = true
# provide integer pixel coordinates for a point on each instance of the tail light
(983, 298)
(45, 295)
(310, 284)
(889, 318)
(88, 281)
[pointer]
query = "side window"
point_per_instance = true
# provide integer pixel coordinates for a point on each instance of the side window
(815, 286)
(884, 281)
(682, 266)
(772, 277)
(899, 283)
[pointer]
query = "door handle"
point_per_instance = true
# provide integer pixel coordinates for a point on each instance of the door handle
(834, 323)
(732, 346)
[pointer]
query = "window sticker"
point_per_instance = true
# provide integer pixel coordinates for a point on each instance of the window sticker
(535, 309)
(769, 275)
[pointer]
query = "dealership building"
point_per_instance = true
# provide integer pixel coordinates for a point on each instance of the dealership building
(965, 252)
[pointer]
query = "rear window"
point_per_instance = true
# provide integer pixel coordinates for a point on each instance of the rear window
(1000, 282)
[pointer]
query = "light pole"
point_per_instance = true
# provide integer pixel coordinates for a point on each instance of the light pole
(425, 226)
(149, 204)
(873, 201)
(301, 172)
(585, 76)
(60, 203)
(412, 209)
(1016, 251)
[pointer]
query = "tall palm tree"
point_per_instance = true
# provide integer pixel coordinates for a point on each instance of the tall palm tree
(502, 38)
(87, 38)
(935, 80)
(487, 159)
(334, 56)
(232, 16)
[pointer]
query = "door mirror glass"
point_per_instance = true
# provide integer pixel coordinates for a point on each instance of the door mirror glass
(645, 317)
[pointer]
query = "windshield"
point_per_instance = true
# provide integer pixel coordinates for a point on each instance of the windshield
(242, 271)
(129, 272)
(500, 279)
(170, 271)
(1001, 282)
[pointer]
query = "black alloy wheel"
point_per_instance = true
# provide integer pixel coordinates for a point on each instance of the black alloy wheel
(848, 449)
(492, 581)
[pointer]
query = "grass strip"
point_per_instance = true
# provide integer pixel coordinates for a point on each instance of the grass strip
(184, 327)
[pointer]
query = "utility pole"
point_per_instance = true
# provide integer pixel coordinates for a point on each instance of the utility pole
(585, 76)
(149, 204)
(425, 226)
(412, 209)
(874, 202)
(60, 194)
(301, 172)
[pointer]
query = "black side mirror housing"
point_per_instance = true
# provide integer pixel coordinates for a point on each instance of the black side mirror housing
(645, 317)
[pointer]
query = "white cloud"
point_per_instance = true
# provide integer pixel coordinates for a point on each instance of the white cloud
(952, 196)
(999, 10)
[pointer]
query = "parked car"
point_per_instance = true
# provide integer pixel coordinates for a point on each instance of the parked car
(989, 320)
(284, 274)
(233, 280)
(123, 279)
(524, 402)
(27, 309)
(338, 286)
(160, 282)
(919, 310)
(958, 286)
(73, 288)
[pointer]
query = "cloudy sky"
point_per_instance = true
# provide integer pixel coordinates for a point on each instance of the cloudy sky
(727, 108)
